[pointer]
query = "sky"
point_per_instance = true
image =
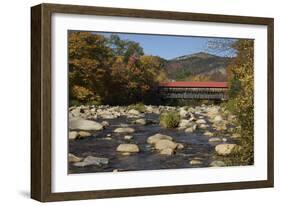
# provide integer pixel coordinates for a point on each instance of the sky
(169, 47)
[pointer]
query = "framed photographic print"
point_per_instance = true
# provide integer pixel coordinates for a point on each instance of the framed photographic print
(132, 102)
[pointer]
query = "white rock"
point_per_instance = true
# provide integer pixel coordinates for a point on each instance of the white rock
(207, 133)
(128, 137)
(164, 144)
(201, 121)
(84, 134)
(133, 112)
(195, 162)
(90, 160)
(155, 138)
(124, 130)
(81, 124)
(184, 123)
(183, 113)
(141, 121)
(127, 148)
(218, 118)
(226, 149)
(105, 123)
(72, 158)
(203, 126)
(180, 146)
(72, 135)
(215, 139)
(167, 151)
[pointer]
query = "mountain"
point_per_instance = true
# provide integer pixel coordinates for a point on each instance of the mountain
(203, 65)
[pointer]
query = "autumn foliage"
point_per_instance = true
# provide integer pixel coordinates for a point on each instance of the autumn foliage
(109, 70)
(241, 79)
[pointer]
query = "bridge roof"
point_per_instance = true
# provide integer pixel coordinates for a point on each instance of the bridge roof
(195, 84)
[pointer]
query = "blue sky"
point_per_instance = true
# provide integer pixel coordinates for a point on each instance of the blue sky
(169, 47)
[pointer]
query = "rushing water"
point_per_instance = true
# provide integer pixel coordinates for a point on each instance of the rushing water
(196, 146)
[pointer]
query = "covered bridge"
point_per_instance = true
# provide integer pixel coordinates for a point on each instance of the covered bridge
(193, 90)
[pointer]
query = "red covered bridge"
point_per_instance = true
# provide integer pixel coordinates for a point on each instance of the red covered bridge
(193, 90)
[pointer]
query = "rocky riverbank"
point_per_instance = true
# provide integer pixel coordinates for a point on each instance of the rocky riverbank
(117, 138)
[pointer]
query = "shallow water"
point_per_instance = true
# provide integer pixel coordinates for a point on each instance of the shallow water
(196, 146)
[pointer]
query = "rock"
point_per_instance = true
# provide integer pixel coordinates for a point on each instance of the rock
(167, 151)
(235, 136)
(201, 121)
(72, 135)
(207, 133)
(75, 112)
(108, 135)
(115, 170)
(149, 109)
(81, 124)
(226, 149)
(191, 129)
(91, 160)
(215, 139)
(128, 137)
(72, 158)
(107, 138)
(124, 130)
(183, 113)
(133, 112)
(203, 126)
(141, 121)
(220, 126)
(217, 163)
(84, 134)
(127, 148)
(125, 153)
(184, 123)
(105, 123)
(164, 144)
(195, 162)
(218, 118)
(224, 139)
(108, 116)
(180, 146)
(155, 138)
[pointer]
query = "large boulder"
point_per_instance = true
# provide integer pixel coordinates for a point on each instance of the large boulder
(72, 135)
(133, 112)
(167, 151)
(72, 158)
(124, 130)
(90, 160)
(227, 149)
(155, 138)
(81, 124)
(128, 148)
(164, 144)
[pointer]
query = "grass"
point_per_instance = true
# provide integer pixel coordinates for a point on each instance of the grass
(139, 107)
(170, 119)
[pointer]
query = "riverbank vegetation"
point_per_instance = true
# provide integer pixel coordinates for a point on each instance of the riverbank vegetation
(241, 98)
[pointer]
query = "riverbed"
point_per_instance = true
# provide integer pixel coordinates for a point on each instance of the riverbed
(196, 146)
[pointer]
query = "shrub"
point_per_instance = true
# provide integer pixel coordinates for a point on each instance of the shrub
(170, 119)
(139, 107)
